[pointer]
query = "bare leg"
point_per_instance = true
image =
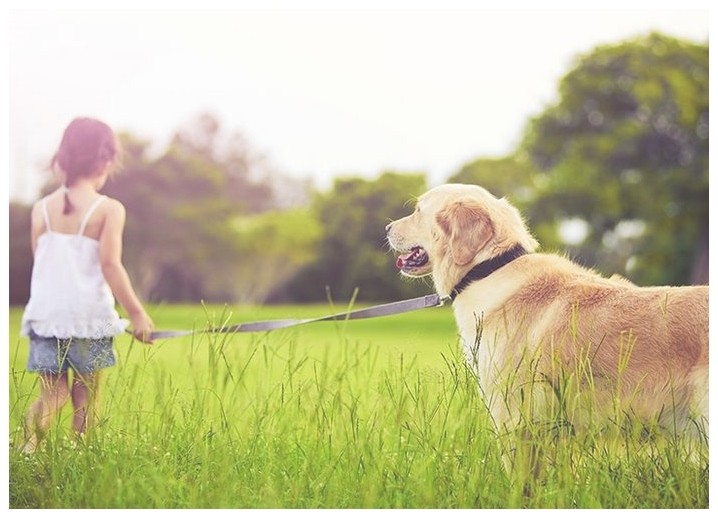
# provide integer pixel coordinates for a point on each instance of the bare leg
(85, 397)
(54, 393)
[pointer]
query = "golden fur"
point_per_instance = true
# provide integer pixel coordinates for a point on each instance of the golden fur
(547, 337)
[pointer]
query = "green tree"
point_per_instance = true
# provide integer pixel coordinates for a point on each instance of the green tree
(182, 240)
(273, 246)
(179, 232)
(19, 253)
(508, 177)
(248, 178)
(625, 149)
(353, 252)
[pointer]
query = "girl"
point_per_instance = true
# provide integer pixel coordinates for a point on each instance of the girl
(70, 318)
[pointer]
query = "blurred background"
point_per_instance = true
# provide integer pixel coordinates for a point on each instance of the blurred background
(265, 151)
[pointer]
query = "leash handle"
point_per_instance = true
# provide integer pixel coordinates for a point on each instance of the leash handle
(392, 308)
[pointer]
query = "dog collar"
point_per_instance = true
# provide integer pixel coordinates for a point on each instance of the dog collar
(486, 268)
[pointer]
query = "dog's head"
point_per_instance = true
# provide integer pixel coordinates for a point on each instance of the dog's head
(453, 228)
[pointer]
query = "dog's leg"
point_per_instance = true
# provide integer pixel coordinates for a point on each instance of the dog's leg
(519, 413)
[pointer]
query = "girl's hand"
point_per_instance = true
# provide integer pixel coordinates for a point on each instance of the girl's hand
(142, 327)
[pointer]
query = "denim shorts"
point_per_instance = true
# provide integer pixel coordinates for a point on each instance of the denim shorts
(50, 355)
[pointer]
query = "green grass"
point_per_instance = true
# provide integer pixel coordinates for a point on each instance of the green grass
(368, 414)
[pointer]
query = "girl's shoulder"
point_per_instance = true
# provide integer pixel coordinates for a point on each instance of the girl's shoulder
(111, 211)
(111, 202)
(40, 207)
(36, 216)
(107, 218)
(112, 205)
(39, 204)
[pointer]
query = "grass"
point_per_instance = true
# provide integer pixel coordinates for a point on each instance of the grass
(367, 414)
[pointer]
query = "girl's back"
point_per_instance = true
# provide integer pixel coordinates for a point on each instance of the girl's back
(71, 223)
(69, 294)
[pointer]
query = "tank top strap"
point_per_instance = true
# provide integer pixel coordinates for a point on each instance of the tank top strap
(89, 212)
(45, 214)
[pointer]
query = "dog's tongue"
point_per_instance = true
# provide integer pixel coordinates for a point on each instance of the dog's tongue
(417, 257)
(402, 259)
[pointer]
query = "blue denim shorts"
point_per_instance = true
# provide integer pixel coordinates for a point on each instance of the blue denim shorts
(49, 355)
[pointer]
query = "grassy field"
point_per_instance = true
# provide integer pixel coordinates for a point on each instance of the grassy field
(368, 414)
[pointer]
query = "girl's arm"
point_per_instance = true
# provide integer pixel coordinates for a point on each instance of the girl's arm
(115, 273)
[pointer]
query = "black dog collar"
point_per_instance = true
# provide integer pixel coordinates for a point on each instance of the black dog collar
(486, 268)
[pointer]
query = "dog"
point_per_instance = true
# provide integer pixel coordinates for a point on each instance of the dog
(547, 338)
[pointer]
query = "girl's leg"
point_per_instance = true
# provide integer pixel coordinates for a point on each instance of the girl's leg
(54, 393)
(85, 397)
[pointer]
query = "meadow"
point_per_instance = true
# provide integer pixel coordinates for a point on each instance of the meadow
(366, 414)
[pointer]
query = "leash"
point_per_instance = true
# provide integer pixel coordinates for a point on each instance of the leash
(480, 271)
(382, 310)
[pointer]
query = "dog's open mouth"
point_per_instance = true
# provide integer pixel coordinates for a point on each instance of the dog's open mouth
(413, 260)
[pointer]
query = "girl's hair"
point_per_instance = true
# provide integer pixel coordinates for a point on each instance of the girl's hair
(87, 146)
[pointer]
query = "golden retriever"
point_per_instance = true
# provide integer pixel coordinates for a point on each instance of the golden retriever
(547, 338)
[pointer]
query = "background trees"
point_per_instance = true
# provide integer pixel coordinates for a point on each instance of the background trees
(616, 171)
(19, 254)
(353, 253)
(625, 150)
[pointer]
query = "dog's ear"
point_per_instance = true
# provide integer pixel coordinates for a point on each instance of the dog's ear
(468, 228)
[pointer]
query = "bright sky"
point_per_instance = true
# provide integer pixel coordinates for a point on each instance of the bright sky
(321, 93)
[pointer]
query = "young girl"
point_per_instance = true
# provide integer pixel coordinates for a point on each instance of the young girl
(70, 318)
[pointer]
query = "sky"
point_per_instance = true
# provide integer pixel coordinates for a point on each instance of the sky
(321, 93)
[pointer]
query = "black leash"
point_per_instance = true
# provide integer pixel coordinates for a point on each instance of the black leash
(392, 308)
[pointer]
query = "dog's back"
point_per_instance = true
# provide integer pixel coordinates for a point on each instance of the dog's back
(646, 347)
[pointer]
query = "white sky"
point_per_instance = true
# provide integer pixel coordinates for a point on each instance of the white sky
(321, 93)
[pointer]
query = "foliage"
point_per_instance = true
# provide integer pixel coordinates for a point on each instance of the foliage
(19, 253)
(273, 246)
(626, 147)
(622, 156)
(505, 177)
(353, 253)
(178, 224)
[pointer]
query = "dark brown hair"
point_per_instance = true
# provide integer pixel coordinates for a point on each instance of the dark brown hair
(87, 146)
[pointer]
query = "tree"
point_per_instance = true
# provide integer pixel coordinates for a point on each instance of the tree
(248, 175)
(19, 254)
(625, 149)
(508, 177)
(353, 253)
(188, 237)
(273, 246)
(183, 242)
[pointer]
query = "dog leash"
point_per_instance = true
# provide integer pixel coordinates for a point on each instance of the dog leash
(480, 271)
(382, 310)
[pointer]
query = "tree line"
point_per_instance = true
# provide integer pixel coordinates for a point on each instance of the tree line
(615, 173)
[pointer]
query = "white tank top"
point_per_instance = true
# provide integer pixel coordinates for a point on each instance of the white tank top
(69, 296)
